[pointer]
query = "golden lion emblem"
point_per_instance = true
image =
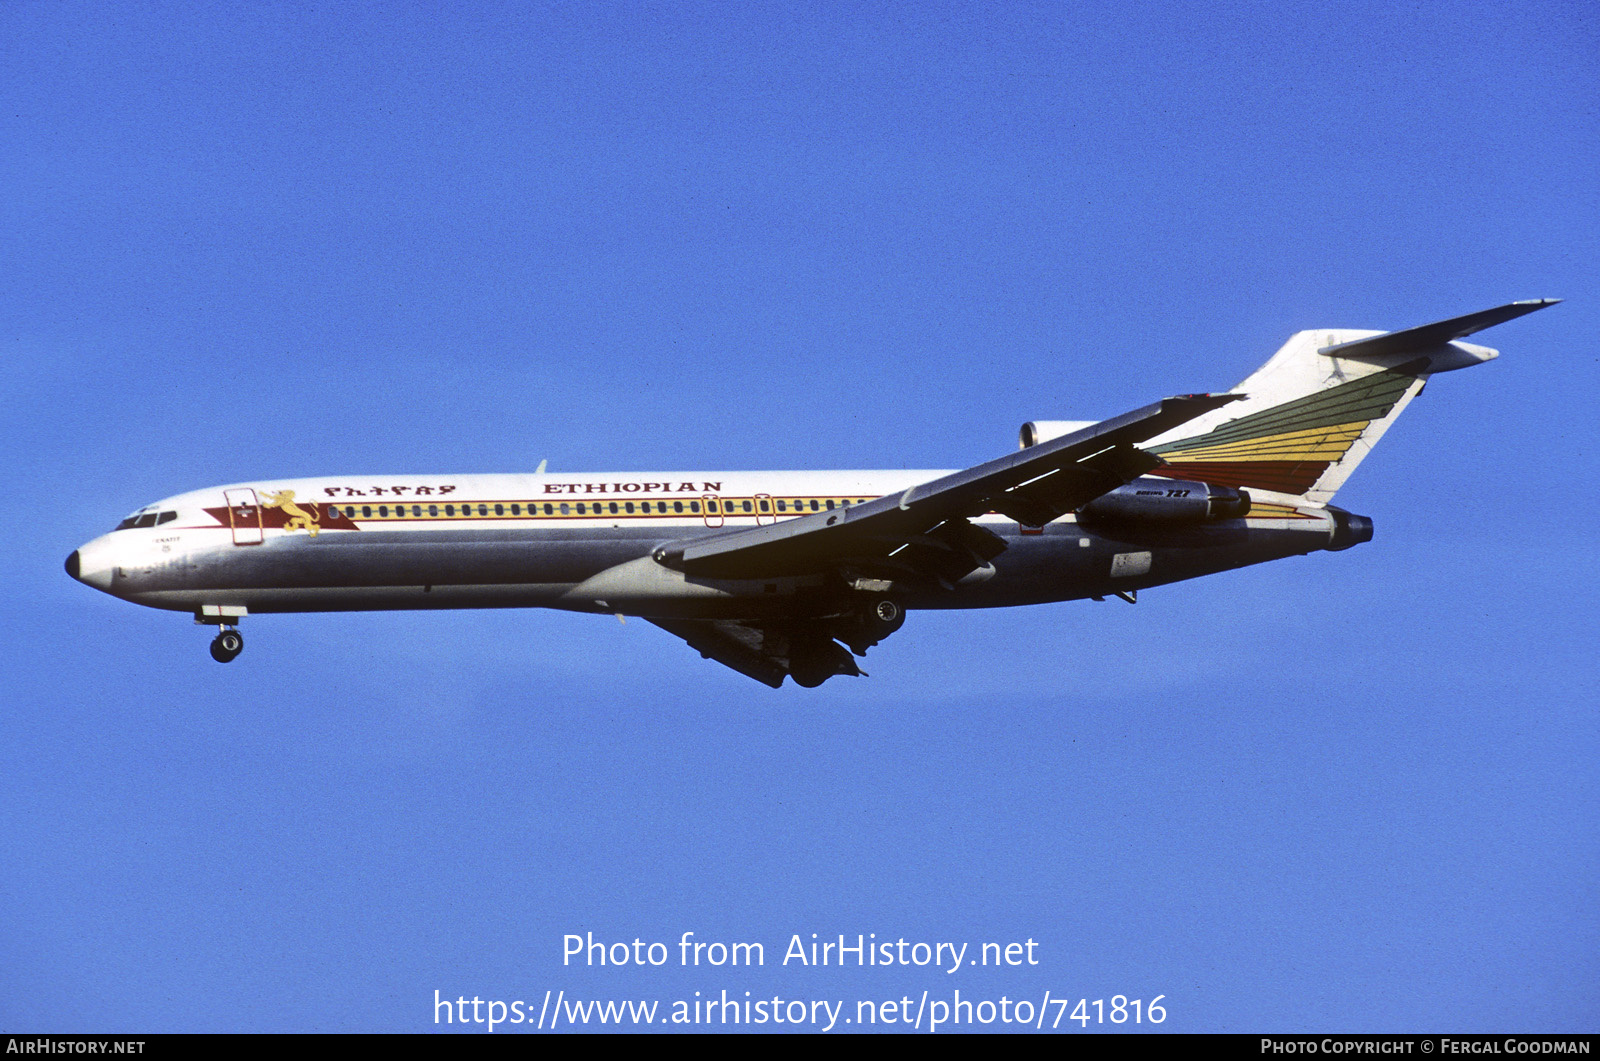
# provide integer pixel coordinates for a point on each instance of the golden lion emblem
(299, 518)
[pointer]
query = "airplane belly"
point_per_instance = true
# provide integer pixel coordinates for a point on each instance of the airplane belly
(362, 570)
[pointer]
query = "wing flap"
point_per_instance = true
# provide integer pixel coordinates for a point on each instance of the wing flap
(1054, 494)
(765, 651)
(948, 553)
(731, 644)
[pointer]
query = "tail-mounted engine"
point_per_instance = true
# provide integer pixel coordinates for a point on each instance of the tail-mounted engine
(1148, 499)
(1036, 431)
(1349, 529)
(1154, 500)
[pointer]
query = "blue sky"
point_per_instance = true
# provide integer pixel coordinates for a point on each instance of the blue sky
(1345, 792)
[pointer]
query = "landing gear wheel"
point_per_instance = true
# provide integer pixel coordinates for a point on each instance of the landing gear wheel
(809, 672)
(871, 622)
(226, 646)
(888, 614)
(807, 675)
(815, 664)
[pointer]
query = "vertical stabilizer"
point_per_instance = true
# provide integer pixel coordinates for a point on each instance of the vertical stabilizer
(1315, 410)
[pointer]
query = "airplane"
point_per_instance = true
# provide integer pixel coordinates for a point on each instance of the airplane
(795, 574)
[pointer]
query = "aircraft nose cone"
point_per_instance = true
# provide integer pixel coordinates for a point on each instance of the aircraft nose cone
(93, 565)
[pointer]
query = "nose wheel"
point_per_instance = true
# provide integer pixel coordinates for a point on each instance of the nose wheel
(227, 645)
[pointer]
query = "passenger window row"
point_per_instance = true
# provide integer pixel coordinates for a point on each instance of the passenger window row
(725, 506)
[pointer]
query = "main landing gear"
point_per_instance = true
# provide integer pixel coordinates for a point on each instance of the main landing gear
(227, 645)
(814, 657)
(814, 661)
(873, 620)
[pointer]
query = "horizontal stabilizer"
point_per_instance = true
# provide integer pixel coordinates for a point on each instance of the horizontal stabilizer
(1430, 336)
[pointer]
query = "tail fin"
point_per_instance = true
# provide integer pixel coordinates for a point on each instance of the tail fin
(1319, 406)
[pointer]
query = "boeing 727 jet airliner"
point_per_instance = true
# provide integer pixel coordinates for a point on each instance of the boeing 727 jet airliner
(795, 574)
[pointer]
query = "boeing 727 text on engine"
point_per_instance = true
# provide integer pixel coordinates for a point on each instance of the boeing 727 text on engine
(795, 574)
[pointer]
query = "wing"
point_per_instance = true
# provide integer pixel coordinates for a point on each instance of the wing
(925, 533)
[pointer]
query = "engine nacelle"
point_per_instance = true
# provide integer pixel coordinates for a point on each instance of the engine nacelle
(1152, 499)
(1037, 431)
(1349, 529)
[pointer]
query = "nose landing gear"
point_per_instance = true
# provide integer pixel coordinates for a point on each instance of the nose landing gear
(227, 645)
(229, 642)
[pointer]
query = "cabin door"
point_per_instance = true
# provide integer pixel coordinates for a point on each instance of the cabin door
(244, 516)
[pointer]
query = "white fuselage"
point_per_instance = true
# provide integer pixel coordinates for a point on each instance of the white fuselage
(582, 542)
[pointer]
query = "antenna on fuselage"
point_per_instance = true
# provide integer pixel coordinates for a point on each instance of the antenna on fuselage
(540, 469)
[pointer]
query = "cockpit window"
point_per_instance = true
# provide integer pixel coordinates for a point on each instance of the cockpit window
(145, 519)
